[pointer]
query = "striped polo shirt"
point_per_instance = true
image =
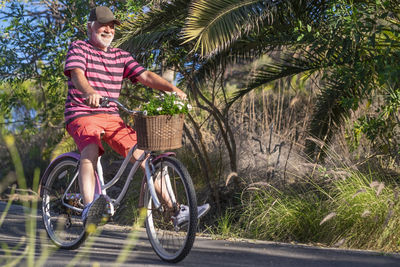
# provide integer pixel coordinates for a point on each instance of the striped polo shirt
(104, 72)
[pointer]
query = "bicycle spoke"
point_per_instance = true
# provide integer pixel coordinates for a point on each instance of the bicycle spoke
(63, 225)
(171, 242)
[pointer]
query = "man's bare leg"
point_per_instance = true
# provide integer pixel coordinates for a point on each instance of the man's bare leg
(181, 216)
(159, 184)
(88, 162)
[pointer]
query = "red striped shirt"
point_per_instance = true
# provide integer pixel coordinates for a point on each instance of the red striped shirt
(104, 72)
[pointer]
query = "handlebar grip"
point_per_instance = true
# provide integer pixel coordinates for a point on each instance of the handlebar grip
(104, 102)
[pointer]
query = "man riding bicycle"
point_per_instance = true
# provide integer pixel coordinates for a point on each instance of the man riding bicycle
(96, 70)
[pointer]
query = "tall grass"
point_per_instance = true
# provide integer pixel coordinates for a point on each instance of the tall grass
(276, 215)
(357, 211)
(30, 210)
(367, 213)
(14, 257)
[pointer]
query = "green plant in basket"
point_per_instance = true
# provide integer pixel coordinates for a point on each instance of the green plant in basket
(166, 104)
(160, 126)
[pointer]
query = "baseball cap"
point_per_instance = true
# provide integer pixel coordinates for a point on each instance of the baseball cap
(103, 14)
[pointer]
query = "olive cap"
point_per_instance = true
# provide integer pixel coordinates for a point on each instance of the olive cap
(103, 15)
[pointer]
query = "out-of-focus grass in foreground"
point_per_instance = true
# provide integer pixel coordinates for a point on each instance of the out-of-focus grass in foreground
(25, 250)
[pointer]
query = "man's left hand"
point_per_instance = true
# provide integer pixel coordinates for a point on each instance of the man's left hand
(180, 93)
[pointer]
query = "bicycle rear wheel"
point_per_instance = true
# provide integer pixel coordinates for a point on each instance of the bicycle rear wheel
(63, 224)
(171, 243)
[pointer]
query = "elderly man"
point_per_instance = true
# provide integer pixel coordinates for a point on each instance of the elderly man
(96, 70)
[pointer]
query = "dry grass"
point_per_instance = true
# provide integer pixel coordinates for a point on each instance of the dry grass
(340, 201)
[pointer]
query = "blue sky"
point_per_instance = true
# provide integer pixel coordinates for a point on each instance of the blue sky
(3, 22)
(35, 6)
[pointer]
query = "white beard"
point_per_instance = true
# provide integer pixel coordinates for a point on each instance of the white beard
(105, 42)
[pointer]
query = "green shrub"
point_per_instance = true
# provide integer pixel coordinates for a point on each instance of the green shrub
(367, 214)
(357, 211)
(272, 214)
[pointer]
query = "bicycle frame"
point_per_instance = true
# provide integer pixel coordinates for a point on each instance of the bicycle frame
(149, 171)
(101, 187)
(167, 197)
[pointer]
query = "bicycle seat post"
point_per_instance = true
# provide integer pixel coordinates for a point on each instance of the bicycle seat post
(100, 181)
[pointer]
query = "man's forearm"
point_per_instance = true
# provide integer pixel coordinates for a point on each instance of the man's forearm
(154, 81)
(80, 82)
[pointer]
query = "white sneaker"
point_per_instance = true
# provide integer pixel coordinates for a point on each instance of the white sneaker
(93, 212)
(183, 215)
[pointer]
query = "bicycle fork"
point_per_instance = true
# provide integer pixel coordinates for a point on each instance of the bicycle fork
(150, 176)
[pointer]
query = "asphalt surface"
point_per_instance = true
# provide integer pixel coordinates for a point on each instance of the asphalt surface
(206, 251)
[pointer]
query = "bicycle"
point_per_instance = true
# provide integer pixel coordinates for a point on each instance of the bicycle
(62, 204)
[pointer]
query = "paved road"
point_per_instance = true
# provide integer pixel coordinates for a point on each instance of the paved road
(206, 252)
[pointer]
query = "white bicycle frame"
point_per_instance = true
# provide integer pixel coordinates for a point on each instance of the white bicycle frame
(101, 187)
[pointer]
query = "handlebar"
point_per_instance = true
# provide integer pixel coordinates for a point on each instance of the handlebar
(105, 102)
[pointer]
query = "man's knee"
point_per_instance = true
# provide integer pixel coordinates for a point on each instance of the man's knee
(91, 153)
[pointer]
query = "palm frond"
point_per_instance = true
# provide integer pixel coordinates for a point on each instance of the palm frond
(244, 51)
(270, 72)
(218, 23)
(329, 114)
(153, 26)
(143, 44)
(342, 92)
(215, 25)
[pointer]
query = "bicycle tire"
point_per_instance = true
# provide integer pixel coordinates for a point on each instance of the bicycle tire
(171, 244)
(63, 225)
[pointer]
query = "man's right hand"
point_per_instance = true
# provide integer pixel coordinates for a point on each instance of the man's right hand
(93, 100)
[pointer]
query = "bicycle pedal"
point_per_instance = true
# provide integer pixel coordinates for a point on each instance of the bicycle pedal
(109, 207)
(74, 196)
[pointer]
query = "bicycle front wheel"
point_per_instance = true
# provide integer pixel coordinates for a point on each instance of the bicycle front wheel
(63, 223)
(171, 243)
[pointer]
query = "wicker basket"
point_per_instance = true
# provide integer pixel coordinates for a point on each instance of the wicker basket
(162, 132)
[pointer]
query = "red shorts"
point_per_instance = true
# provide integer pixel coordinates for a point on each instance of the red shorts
(111, 128)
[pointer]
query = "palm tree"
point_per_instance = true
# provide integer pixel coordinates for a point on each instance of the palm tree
(342, 44)
(345, 42)
(154, 37)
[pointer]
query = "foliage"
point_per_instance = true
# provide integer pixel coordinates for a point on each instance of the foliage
(30, 241)
(355, 211)
(351, 46)
(359, 63)
(286, 216)
(367, 212)
(381, 127)
(219, 25)
(166, 104)
(210, 22)
(154, 36)
(33, 43)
